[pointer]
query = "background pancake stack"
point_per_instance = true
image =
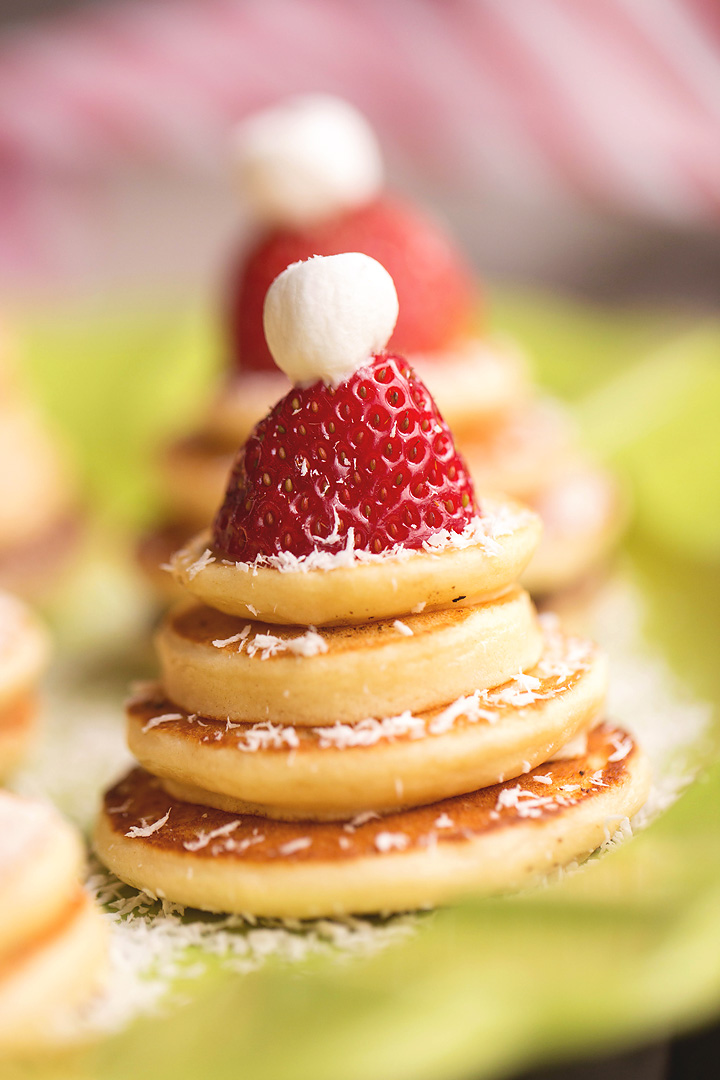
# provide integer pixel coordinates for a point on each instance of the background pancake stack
(295, 771)
(311, 172)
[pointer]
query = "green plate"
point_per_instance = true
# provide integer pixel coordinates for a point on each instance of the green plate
(623, 951)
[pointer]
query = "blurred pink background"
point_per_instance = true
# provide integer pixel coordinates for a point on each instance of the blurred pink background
(570, 142)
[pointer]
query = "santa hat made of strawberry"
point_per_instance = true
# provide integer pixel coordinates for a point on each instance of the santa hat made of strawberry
(311, 172)
(356, 455)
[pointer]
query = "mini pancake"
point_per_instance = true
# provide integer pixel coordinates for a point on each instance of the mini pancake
(223, 667)
(243, 400)
(518, 454)
(17, 731)
(154, 552)
(24, 649)
(492, 840)
(332, 773)
(475, 382)
(43, 982)
(41, 860)
(583, 513)
(194, 473)
(35, 489)
(36, 564)
(357, 587)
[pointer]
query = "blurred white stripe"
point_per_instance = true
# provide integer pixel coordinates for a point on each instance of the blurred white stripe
(609, 102)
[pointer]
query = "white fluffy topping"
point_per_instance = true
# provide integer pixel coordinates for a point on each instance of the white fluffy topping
(306, 159)
(324, 318)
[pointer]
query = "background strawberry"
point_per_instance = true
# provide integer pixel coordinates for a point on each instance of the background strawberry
(434, 286)
(372, 454)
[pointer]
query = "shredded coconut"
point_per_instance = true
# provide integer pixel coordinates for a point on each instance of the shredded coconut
(204, 838)
(308, 644)
(362, 819)
(403, 628)
(220, 643)
(369, 732)
(301, 843)
(194, 569)
(155, 721)
(268, 736)
(526, 803)
(147, 830)
(623, 746)
(391, 841)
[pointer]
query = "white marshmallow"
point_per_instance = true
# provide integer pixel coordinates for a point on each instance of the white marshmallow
(325, 318)
(306, 159)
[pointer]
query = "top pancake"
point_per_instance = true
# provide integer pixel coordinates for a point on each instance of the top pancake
(354, 587)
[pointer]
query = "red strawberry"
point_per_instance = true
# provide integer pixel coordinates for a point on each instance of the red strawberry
(372, 454)
(434, 286)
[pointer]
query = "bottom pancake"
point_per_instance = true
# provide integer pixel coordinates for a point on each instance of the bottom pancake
(45, 981)
(492, 840)
(17, 731)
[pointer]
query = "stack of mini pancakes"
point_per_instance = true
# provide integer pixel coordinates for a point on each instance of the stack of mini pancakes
(330, 742)
(52, 940)
(24, 648)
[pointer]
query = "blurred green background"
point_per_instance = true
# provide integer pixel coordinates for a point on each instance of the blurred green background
(626, 951)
